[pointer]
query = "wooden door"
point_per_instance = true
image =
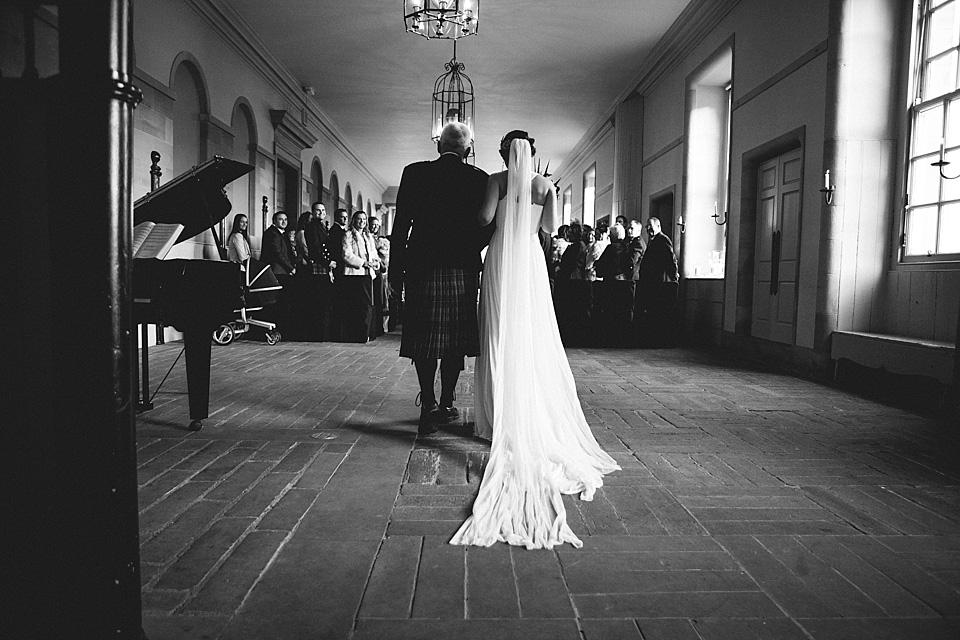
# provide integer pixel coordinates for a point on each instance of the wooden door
(777, 248)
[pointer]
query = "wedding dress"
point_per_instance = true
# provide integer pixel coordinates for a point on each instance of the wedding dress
(525, 396)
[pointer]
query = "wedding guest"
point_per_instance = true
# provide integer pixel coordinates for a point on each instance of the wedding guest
(300, 238)
(361, 268)
(615, 292)
(571, 290)
(337, 231)
(636, 246)
(238, 244)
(278, 252)
(319, 277)
(381, 295)
(657, 290)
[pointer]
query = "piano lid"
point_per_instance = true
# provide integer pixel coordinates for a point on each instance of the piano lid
(194, 199)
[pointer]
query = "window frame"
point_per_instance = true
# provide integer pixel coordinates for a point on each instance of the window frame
(590, 172)
(917, 105)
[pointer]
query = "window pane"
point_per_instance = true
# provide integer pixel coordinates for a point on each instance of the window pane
(953, 123)
(922, 231)
(942, 32)
(924, 181)
(940, 76)
(929, 129)
(950, 229)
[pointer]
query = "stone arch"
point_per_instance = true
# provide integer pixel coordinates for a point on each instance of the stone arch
(334, 192)
(316, 180)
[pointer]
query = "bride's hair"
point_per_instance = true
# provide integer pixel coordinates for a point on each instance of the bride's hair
(510, 137)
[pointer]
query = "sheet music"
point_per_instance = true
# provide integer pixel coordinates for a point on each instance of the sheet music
(154, 239)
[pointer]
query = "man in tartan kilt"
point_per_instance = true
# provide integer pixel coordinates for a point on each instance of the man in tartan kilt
(435, 255)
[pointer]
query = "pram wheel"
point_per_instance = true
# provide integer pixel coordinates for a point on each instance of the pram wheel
(273, 337)
(223, 335)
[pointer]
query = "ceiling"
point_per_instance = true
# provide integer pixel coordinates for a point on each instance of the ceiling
(551, 67)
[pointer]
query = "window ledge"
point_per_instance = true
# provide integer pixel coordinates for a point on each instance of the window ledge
(897, 354)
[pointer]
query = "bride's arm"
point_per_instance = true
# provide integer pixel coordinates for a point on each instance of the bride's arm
(545, 194)
(489, 209)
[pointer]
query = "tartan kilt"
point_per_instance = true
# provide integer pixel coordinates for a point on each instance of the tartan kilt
(440, 315)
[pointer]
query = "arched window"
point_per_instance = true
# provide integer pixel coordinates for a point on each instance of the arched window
(188, 87)
(348, 199)
(316, 178)
(240, 191)
(360, 202)
(369, 208)
(334, 193)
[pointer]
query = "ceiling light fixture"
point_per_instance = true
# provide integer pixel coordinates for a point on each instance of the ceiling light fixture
(442, 19)
(452, 98)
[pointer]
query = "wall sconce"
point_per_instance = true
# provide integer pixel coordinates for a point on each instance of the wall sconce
(941, 163)
(681, 224)
(828, 188)
(716, 216)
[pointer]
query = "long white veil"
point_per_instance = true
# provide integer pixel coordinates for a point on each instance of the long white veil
(526, 398)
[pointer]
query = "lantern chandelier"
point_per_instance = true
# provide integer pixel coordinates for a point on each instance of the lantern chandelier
(442, 19)
(452, 97)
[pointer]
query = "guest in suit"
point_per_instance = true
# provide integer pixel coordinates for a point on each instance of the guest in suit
(278, 252)
(616, 291)
(572, 295)
(435, 256)
(361, 266)
(657, 290)
(336, 232)
(319, 274)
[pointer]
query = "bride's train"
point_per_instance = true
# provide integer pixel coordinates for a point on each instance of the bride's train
(526, 400)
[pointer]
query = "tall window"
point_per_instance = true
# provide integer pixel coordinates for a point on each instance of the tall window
(931, 229)
(589, 194)
(567, 204)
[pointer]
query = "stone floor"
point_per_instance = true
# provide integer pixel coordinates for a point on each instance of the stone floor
(751, 505)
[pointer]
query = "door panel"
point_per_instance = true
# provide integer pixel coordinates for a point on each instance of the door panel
(777, 248)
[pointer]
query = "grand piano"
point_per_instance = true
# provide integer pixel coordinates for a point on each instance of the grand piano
(193, 296)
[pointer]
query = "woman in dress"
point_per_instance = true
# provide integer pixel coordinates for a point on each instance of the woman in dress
(361, 268)
(526, 399)
(238, 247)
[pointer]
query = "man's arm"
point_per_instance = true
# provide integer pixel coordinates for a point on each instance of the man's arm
(400, 233)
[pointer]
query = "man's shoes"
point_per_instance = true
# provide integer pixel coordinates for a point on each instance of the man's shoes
(447, 414)
(429, 415)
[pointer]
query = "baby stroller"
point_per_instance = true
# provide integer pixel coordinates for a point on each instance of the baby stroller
(260, 289)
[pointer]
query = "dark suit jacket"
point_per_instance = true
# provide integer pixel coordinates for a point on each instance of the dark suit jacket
(335, 244)
(277, 252)
(659, 264)
(319, 250)
(634, 256)
(437, 205)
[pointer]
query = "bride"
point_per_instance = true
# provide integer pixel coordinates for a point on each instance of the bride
(526, 400)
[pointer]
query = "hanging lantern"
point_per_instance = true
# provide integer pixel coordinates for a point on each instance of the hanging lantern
(452, 98)
(442, 19)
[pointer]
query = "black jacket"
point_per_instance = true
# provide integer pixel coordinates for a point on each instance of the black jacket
(438, 205)
(277, 252)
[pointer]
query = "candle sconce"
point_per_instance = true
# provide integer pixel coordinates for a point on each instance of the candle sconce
(942, 162)
(716, 216)
(682, 225)
(828, 188)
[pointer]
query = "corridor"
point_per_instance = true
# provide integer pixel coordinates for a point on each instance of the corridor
(751, 504)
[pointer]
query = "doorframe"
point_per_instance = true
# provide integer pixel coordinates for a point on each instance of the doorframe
(747, 241)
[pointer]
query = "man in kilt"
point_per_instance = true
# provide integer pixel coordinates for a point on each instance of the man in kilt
(435, 255)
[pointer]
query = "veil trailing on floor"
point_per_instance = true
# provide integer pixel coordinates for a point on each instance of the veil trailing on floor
(526, 399)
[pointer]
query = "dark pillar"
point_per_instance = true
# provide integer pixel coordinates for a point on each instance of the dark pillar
(71, 567)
